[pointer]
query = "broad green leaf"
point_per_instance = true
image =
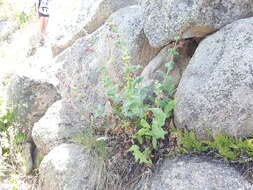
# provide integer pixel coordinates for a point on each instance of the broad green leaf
(145, 124)
(154, 143)
(132, 68)
(142, 157)
(158, 132)
(173, 51)
(169, 106)
(159, 116)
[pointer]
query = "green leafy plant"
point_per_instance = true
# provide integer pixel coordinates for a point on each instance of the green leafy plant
(231, 149)
(142, 157)
(22, 18)
(140, 116)
(188, 142)
(20, 138)
(147, 120)
(6, 120)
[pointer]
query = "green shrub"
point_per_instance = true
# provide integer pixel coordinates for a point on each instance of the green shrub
(141, 117)
(145, 119)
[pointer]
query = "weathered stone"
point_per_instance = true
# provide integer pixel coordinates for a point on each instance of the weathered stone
(79, 18)
(51, 130)
(29, 100)
(150, 73)
(80, 84)
(216, 91)
(165, 19)
(67, 167)
(27, 158)
(196, 173)
(37, 158)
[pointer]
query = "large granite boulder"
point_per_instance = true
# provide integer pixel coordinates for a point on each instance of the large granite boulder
(51, 130)
(29, 101)
(165, 19)
(81, 85)
(196, 173)
(67, 167)
(216, 92)
(70, 21)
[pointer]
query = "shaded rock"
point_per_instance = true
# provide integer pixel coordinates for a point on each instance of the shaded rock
(79, 18)
(185, 50)
(29, 100)
(51, 130)
(164, 19)
(67, 167)
(216, 91)
(80, 83)
(27, 158)
(37, 158)
(196, 173)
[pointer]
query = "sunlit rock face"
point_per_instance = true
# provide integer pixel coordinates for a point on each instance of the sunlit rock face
(166, 19)
(67, 167)
(215, 93)
(51, 130)
(80, 84)
(70, 21)
(29, 100)
(195, 173)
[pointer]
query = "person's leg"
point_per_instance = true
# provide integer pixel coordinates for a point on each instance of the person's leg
(41, 28)
(44, 27)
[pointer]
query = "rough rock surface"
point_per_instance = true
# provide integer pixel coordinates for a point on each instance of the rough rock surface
(80, 83)
(197, 173)
(27, 158)
(216, 90)
(67, 167)
(79, 18)
(30, 100)
(165, 19)
(51, 130)
(150, 74)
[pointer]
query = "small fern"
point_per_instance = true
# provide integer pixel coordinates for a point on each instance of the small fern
(188, 142)
(231, 149)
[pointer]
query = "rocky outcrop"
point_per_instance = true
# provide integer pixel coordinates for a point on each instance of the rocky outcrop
(215, 93)
(79, 18)
(29, 101)
(51, 130)
(67, 167)
(164, 19)
(196, 173)
(80, 84)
